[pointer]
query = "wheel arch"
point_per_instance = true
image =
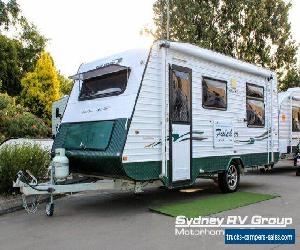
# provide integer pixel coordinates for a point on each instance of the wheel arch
(238, 161)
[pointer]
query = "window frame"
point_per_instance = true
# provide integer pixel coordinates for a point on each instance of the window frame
(219, 80)
(256, 99)
(189, 72)
(292, 118)
(107, 94)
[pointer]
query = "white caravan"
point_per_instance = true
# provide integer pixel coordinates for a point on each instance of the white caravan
(170, 114)
(289, 121)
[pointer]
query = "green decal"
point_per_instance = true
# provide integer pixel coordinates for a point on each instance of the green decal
(252, 140)
(180, 138)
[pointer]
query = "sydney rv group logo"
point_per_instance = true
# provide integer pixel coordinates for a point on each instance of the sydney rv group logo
(239, 229)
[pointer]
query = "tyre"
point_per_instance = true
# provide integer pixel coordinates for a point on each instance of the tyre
(262, 170)
(229, 180)
(298, 172)
(49, 209)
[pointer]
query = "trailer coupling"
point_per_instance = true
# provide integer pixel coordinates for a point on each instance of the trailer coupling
(29, 186)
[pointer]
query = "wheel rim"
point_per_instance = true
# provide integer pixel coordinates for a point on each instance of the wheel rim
(232, 177)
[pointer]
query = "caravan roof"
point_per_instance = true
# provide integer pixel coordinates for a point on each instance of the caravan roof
(187, 48)
(218, 58)
(286, 94)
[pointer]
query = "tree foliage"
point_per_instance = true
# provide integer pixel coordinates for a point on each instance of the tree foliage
(21, 47)
(18, 55)
(10, 65)
(33, 43)
(41, 87)
(66, 84)
(257, 31)
(9, 12)
(291, 80)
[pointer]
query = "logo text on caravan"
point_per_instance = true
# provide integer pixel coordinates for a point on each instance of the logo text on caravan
(234, 221)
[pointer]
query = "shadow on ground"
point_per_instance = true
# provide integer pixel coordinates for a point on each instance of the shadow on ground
(127, 203)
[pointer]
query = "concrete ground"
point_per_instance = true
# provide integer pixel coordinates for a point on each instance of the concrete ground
(114, 220)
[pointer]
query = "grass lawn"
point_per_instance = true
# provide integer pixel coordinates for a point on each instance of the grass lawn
(212, 205)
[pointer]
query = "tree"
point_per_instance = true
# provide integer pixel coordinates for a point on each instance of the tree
(33, 44)
(10, 65)
(41, 87)
(66, 84)
(257, 31)
(18, 55)
(291, 80)
(8, 13)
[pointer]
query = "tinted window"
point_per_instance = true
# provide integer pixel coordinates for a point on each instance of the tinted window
(214, 93)
(296, 119)
(180, 96)
(255, 105)
(110, 84)
(255, 91)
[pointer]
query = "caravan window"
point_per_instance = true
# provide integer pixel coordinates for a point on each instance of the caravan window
(105, 85)
(214, 93)
(255, 105)
(296, 119)
(181, 94)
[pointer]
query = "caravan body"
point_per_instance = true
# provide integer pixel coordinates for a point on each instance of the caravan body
(173, 113)
(289, 121)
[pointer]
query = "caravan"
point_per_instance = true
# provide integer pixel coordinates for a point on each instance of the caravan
(289, 122)
(169, 115)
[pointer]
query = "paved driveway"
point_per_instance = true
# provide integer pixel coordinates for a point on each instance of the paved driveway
(122, 220)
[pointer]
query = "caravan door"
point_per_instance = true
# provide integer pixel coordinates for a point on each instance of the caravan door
(180, 109)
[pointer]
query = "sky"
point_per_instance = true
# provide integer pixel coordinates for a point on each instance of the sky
(295, 20)
(82, 31)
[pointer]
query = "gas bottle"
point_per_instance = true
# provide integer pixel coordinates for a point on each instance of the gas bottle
(61, 164)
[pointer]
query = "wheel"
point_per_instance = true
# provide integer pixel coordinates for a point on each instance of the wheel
(269, 166)
(298, 172)
(229, 180)
(49, 209)
(262, 170)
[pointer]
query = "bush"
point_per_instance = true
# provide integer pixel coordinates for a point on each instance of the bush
(21, 157)
(26, 125)
(16, 121)
(5, 100)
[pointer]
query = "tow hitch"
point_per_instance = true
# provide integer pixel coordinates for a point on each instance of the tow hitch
(29, 186)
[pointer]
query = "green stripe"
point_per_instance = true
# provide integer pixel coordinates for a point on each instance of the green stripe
(151, 170)
(109, 162)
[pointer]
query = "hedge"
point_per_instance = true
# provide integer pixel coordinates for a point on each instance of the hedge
(21, 157)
